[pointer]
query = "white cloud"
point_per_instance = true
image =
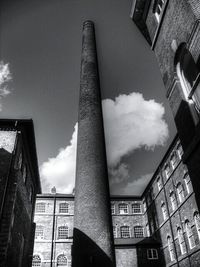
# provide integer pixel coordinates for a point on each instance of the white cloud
(60, 171)
(136, 187)
(131, 122)
(5, 77)
(118, 174)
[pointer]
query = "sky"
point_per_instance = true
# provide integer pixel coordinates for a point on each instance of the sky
(40, 47)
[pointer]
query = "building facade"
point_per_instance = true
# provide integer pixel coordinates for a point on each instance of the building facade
(172, 30)
(19, 184)
(159, 228)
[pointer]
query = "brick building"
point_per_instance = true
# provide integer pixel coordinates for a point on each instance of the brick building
(159, 228)
(172, 30)
(19, 184)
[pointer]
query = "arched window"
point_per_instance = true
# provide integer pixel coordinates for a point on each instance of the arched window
(180, 150)
(63, 232)
(173, 200)
(189, 75)
(36, 262)
(190, 234)
(159, 183)
(180, 192)
(64, 207)
(39, 232)
(171, 248)
(173, 160)
(123, 208)
(147, 230)
(197, 222)
(138, 231)
(62, 260)
(167, 171)
(125, 232)
(181, 240)
(188, 183)
(164, 211)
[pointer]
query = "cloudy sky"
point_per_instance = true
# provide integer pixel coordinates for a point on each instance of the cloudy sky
(41, 42)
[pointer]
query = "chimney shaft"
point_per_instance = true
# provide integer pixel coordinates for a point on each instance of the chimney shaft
(93, 237)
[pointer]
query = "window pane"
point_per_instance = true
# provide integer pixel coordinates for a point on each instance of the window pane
(125, 232)
(63, 232)
(138, 231)
(123, 208)
(136, 208)
(63, 208)
(40, 207)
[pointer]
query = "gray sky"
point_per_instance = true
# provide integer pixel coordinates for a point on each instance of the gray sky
(41, 41)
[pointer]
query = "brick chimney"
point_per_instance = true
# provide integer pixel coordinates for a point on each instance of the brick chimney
(93, 237)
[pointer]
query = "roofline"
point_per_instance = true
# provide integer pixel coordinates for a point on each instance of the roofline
(28, 127)
(176, 138)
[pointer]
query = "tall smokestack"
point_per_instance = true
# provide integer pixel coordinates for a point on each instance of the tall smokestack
(93, 238)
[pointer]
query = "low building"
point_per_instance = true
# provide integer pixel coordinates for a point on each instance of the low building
(19, 184)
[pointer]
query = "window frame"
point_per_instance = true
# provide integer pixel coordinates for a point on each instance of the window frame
(137, 209)
(127, 231)
(43, 210)
(65, 209)
(63, 232)
(151, 252)
(126, 208)
(138, 231)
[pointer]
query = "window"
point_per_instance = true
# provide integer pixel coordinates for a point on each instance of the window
(180, 192)
(125, 232)
(170, 248)
(112, 208)
(197, 222)
(123, 208)
(31, 194)
(40, 207)
(20, 161)
(138, 231)
(36, 262)
(189, 77)
(188, 184)
(147, 230)
(158, 8)
(64, 208)
(180, 150)
(173, 160)
(24, 173)
(181, 240)
(152, 254)
(159, 183)
(164, 211)
(167, 171)
(144, 205)
(63, 232)
(62, 260)
(190, 234)
(173, 200)
(39, 232)
(115, 231)
(136, 208)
